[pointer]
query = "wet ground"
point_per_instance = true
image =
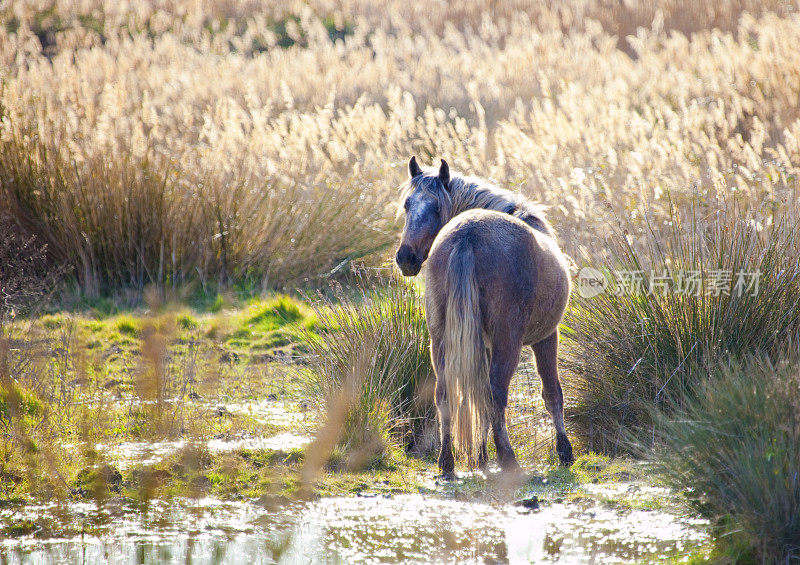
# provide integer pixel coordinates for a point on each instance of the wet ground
(471, 520)
(295, 424)
(434, 527)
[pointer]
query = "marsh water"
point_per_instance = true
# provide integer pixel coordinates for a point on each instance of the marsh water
(614, 522)
(466, 521)
(381, 528)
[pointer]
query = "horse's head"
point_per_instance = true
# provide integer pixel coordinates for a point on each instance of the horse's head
(426, 204)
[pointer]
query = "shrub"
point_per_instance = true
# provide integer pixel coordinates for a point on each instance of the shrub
(372, 350)
(737, 446)
(632, 350)
(26, 273)
(131, 222)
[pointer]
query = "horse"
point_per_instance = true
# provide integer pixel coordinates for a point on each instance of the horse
(496, 280)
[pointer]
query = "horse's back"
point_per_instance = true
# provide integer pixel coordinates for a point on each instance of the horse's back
(523, 278)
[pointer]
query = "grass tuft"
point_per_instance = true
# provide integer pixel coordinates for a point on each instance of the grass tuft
(128, 326)
(373, 372)
(186, 321)
(735, 450)
(274, 314)
(632, 350)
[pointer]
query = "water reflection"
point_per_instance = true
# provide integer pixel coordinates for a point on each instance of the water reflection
(407, 528)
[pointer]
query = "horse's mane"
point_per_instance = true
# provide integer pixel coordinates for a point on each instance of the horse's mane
(467, 193)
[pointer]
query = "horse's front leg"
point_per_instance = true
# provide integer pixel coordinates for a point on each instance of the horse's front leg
(446, 460)
(546, 353)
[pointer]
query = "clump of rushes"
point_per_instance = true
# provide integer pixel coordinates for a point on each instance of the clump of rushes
(632, 349)
(737, 444)
(373, 372)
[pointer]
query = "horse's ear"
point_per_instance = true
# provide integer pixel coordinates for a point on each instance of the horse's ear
(413, 168)
(444, 174)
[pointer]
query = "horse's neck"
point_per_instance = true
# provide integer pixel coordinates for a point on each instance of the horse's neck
(506, 204)
(473, 201)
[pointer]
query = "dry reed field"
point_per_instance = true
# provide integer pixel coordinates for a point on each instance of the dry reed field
(166, 142)
(168, 166)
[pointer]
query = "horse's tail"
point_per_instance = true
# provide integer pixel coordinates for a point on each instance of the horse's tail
(466, 365)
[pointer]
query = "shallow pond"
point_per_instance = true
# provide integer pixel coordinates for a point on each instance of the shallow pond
(401, 528)
(125, 454)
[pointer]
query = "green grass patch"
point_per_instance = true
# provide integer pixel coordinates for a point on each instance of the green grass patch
(53, 322)
(275, 313)
(276, 322)
(16, 402)
(128, 326)
(596, 468)
(218, 304)
(187, 322)
(94, 326)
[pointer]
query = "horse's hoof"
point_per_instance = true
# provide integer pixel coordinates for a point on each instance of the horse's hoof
(564, 450)
(510, 467)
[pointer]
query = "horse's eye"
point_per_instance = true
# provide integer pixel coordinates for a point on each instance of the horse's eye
(406, 204)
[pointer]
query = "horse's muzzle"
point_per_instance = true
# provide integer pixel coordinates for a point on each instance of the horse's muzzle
(408, 261)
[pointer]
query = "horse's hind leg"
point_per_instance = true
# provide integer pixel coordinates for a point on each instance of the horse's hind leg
(505, 357)
(446, 460)
(546, 352)
(483, 450)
